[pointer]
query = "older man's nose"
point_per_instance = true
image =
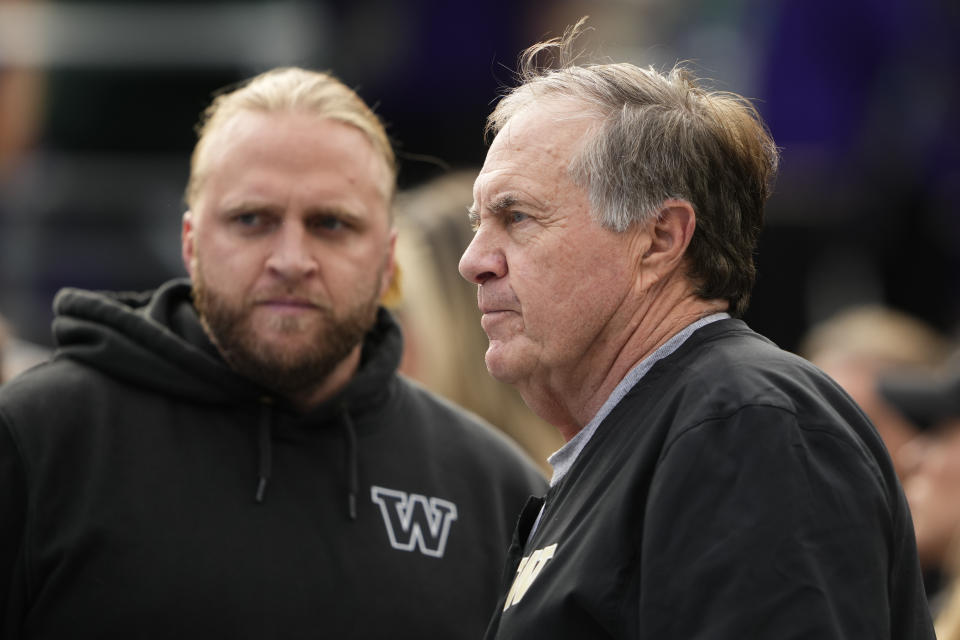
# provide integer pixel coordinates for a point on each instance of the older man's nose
(482, 259)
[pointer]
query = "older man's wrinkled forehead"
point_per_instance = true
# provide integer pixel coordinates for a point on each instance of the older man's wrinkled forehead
(564, 117)
(544, 137)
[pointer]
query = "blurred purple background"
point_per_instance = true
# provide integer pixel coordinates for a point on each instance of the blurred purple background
(98, 101)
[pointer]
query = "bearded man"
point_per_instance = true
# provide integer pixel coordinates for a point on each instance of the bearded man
(235, 455)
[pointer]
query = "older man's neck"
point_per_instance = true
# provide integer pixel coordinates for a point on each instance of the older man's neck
(570, 400)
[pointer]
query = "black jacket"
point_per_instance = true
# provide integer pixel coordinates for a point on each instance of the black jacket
(146, 491)
(734, 493)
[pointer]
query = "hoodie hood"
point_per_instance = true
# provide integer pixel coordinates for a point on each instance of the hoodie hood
(155, 340)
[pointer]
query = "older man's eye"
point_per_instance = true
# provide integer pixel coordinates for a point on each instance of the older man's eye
(516, 216)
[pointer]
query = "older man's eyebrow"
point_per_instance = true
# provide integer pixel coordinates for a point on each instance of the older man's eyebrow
(473, 215)
(503, 203)
(497, 207)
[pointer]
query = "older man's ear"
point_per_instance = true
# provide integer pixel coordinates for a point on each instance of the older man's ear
(670, 235)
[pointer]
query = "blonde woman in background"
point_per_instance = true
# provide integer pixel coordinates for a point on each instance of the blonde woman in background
(444, 343)
(932, 401)
(859, 345)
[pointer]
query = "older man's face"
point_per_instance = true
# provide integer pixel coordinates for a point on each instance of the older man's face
(551, 279)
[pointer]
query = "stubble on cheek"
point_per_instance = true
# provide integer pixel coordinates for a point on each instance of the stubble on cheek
(285, 353)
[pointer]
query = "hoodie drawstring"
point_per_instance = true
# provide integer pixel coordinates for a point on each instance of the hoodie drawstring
(265, 447)
(353, 482)
(265, 438)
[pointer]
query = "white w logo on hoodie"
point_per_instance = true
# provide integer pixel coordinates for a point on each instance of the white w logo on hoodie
(415, 520)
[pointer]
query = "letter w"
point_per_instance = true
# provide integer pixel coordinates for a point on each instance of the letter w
(414, 520)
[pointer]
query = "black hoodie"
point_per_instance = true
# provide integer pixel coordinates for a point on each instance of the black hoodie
(148, 491)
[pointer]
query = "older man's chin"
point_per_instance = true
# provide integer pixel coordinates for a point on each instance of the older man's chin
(504, 361)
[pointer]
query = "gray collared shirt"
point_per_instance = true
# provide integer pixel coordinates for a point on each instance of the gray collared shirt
(562, 459)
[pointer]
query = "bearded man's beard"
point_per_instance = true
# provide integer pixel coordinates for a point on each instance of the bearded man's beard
(285, 371)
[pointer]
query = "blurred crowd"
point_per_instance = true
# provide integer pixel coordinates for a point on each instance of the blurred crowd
(905, 375)
(859, 265)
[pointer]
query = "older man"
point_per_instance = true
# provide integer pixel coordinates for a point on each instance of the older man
(712, 485)
(239, 459)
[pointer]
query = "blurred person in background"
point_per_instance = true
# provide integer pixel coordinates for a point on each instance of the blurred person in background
(17, 355)
(859, 345)
(712, 485)
(21, 99)
(234, 455)
(931, 463)
(437, 309)
(22, 91)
